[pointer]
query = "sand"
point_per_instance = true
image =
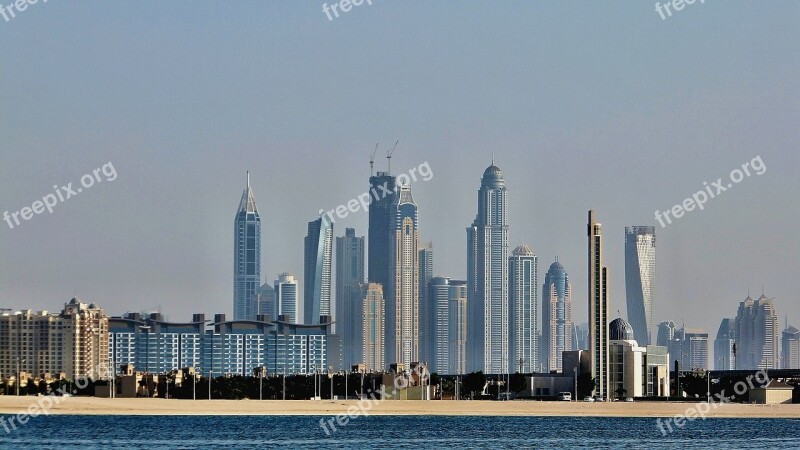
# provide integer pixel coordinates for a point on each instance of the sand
(91, 405)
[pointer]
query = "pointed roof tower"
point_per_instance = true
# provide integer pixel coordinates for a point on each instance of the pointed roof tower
(248, 203)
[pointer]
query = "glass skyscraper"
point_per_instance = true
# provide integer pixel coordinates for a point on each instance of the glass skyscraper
(557, 333)
(598, 307)
(487, 277)
(349, 298)
(246, 257)
(317, 274)
(640, 272)
(380, 233)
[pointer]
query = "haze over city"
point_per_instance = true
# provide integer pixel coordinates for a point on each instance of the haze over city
(599, 107)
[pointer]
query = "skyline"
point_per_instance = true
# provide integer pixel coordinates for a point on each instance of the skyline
(644, 135)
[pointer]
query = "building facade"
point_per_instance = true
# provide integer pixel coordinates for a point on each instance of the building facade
(457, 328)
(317, 275)
(487, 277)
(557, 333)
(425, 318)
(246, 256)
(523, 298)
(640, 273)
(74, 342)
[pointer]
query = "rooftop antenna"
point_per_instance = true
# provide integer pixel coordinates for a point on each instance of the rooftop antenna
(248, 179)
(372, 159)
(389, 157)
(492, 158)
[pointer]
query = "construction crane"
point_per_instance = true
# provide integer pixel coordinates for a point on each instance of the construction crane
(389, 156)
(372, 159)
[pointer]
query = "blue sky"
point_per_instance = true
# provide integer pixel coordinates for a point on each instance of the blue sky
(584, 104)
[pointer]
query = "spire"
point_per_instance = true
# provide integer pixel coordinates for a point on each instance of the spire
(248, 203)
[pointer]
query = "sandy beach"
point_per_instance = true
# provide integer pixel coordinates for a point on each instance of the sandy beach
(104, 406)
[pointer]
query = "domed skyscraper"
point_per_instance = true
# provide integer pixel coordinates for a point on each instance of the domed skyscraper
(557, 324)
(487, 277)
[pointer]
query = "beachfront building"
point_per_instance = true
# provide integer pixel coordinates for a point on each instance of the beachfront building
(73, 342)
(634, 370)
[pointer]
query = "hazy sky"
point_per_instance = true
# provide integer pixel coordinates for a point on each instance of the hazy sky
(585, 105)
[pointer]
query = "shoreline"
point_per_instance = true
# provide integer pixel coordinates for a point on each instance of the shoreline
(162, 407)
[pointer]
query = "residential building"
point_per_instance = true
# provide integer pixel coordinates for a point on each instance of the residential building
(640, 273)
(373, 331)
(457, 328)
(487, 277)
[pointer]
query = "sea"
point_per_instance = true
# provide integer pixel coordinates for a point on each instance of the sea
(396, 432)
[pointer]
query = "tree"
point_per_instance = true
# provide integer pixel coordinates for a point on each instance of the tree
(474, 382)
(585, 385)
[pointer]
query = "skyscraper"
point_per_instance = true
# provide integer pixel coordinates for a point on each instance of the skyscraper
(757, 334)
(381, 231)
(723, 345)
(267, 301)
(487, 277)
(557, 333)
(523, 287)
(598, 307)
(373, 328)
(791, 348)
(246, 257)
(317, 281)
(286, 295)
(457, 328)
(436, 330)
(640, 272)
(425, 319)
(402, 301)
(349, 296)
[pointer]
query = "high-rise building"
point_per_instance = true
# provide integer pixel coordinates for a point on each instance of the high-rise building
(373, 332)
(267, 301)
(581, 336)
(598, 307)
(523, 293)
(640, 272)
(487, 277)
(246, 257)
(694, 353)
(557, 333)
(402, 301)
(757, 334)
(287, 298)
(723, 345)
(791, 348)
(457, 328)
(666, 333)
(381, 231)
(74, 342)
(425, 319)
(436, 330)
(349, 297)
(317, 275)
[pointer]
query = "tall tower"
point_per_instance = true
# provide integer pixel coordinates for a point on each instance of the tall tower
(381, 231)
(640, 273)
(557, 332)
(437, 334)
(349, 297)
(246, 257)
(598, 307)
(317, 275)
(487, 277)
(457, 328)
(402, 301)
(523, 306)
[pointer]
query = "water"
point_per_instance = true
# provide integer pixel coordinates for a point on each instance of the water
(196, 432)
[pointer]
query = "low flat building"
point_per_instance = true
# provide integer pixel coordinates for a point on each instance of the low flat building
(773, 393)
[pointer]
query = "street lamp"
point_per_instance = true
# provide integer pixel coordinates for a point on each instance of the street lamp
(330, 375)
